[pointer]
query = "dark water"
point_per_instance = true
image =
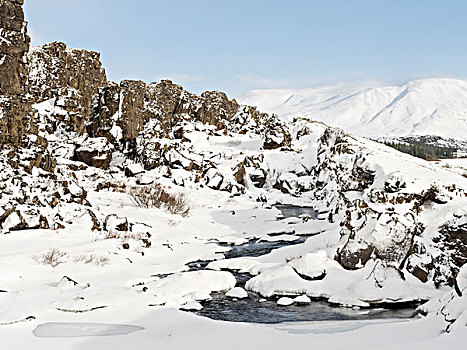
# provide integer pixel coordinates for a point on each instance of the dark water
(267, 311)
(255, 248)
(253, 311)
(294, 211)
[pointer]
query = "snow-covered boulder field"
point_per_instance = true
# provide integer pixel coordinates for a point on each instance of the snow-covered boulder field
(389, 227)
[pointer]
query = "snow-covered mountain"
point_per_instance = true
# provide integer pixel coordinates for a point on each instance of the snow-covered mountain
(420, 107)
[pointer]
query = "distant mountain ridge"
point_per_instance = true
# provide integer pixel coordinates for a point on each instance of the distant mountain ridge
(435, 106)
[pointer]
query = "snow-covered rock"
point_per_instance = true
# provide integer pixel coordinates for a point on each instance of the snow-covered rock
(237, 292)
(302, 299)
(179, 289)
(285, 301)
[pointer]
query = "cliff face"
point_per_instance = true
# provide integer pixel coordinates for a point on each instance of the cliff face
(70, 93)
(68, 76)
(139, 119)
(132, 103)
(14, 45)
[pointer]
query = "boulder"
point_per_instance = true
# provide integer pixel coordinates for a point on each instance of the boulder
(394, 182)
(96, 152)
(114, 223)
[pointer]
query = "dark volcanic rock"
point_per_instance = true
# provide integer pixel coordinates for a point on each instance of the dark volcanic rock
(70, 76)
(132, 103)
(96, 152)
(352, 259)
(14, 45)
(121, 106)
(452, 242)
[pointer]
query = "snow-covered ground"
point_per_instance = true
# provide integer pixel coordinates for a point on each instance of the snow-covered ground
(458, 165)
(123, 317)
(103, 289)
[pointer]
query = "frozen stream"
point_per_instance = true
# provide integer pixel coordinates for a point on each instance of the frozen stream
(290, 211)
(256, 309)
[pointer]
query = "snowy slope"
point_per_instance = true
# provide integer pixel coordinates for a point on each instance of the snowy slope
(420, 107)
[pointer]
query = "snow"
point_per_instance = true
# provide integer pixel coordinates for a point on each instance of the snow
(11, 221)
(191, 306)
(178, 289)
(237, 292)
(285, 301)
(14, 316)
(302, 299)
(99, 144)
(312, 265)
(347, 288)
(66, 283)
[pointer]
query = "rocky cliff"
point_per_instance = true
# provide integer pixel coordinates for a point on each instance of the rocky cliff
(81, 100)
(14, 45)
(79, 117)
(70, 77)
(135, 117)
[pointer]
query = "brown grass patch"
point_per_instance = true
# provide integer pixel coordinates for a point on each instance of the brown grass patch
(52, 257)
(98, 260)
(155, 196)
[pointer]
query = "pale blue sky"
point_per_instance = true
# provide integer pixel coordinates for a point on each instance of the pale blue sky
(237, 45)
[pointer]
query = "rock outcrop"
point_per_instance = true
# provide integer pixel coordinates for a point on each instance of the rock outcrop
(149, 123)
(129, 105)
(96, 152)
(118, 111)
(14, 45)
(68, 76)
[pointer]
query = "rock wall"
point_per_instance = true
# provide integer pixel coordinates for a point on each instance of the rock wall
(14, 45)
(132, 103)
(69, 76)
(118, 111)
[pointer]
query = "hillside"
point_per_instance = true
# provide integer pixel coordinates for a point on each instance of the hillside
(420, 107)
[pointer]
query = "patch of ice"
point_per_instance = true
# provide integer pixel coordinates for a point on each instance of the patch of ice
(72, 330)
